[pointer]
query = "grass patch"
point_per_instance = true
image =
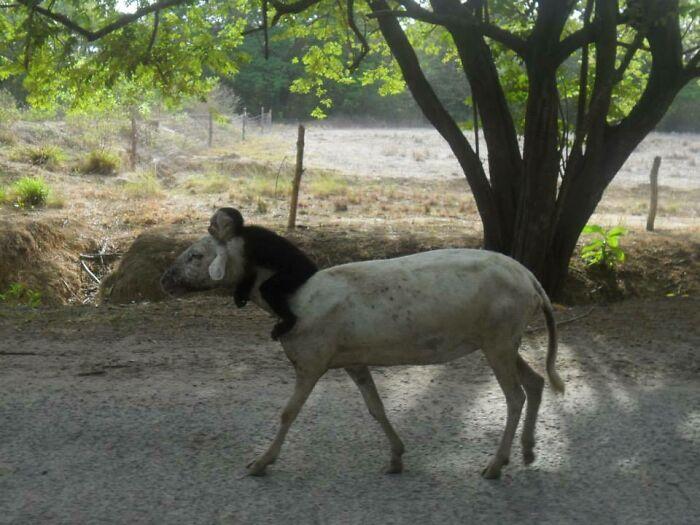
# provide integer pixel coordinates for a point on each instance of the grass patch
(55, 201)
(144, 185)
(211, 182)
(30, 192)
(3, 196)
(101, 162)
(19, 294)
(7, 138)
(264, 185)
(327, 185)
(46, 156)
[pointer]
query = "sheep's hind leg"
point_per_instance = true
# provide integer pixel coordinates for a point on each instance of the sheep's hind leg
(504, 367)
(533, 384)
(305, 383)
(363, 379)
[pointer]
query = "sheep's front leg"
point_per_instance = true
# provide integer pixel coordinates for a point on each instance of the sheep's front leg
(363, 379)
(305, 383)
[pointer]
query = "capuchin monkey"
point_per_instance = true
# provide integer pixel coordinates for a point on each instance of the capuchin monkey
(263, 248)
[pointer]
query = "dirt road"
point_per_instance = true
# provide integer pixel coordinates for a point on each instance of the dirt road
(147, 414)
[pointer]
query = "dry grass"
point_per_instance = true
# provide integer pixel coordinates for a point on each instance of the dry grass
(101, 162)
(328, 184)
(144, 185)
(47, 156)
(211, 182)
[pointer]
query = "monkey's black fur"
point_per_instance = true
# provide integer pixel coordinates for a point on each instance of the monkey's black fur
(263, 248)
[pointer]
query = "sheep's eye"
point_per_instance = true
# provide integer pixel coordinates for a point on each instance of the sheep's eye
(196, 256)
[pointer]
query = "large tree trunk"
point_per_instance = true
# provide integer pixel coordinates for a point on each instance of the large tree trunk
(525, 212)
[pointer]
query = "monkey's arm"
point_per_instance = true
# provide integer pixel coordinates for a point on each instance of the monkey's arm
(242, 292)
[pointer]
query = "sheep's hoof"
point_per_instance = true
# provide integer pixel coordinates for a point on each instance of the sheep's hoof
(528, 456)
(255, 468)
(491, 472)
(395, 467)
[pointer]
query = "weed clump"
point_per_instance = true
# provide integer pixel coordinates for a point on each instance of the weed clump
(211, 182)
(46, 156)
(144, 185)
(101, 162)
(30, 192)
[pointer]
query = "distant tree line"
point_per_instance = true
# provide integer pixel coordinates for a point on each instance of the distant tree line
(266, 83)
(260, 82)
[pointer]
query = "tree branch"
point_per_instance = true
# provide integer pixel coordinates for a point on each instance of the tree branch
(508, 39)
(422, 15)
(364, 46)
(438, 116)
(152, 41)
(629, 55)
(285, 9)
(584, 36)
(120, 22)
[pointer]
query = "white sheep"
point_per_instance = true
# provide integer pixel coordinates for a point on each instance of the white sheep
(421, 309)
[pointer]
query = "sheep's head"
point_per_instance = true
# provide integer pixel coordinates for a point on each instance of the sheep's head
(191, 270)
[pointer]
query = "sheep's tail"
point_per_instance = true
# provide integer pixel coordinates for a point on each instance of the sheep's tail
(554, 378)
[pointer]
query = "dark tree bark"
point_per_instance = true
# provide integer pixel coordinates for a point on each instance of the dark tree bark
(526, 211)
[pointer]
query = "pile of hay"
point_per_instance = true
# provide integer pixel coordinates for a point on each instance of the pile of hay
(43, 257)
(137, 278)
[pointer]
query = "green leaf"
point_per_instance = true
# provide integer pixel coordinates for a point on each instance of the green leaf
(593, 228)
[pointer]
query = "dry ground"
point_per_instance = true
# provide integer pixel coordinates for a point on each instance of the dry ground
(148, 414)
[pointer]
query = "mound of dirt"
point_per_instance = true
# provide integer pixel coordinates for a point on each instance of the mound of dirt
(137, 278)
(42, 255)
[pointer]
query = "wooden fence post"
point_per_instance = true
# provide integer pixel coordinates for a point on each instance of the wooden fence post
(210, 138)
(298, 170)
(269, 120)
(243, 119)
(654, 181)
(262, 119)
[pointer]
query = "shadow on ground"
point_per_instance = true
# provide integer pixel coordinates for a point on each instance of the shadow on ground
(149, 414)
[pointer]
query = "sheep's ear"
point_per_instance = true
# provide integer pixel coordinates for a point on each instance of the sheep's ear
(217, 269)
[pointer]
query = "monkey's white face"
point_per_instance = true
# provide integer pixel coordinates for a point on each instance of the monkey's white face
(190, 271)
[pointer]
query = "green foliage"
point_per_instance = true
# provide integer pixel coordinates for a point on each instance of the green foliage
(684, 113)
(30, 192)
(3, 196)
(101, 162)
(124, 67)
(19, 294)
(603, 249)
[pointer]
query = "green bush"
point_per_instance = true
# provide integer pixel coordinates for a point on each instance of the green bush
(30, 192)
(101, 162)
(604, 249)
(19, 294)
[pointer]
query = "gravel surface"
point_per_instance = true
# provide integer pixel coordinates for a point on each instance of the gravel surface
(148, 414)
